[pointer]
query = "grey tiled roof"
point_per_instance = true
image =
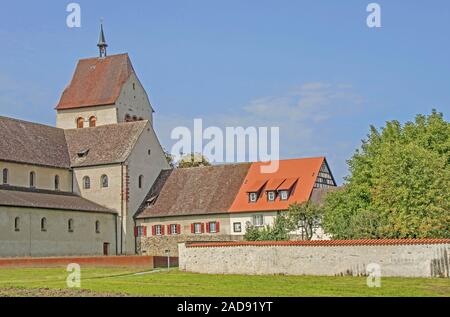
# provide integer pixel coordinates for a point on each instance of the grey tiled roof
(32, 198)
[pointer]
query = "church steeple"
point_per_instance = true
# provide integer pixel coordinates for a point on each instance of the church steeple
(102, 42)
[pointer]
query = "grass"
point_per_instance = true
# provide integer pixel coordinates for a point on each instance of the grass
(123, 281)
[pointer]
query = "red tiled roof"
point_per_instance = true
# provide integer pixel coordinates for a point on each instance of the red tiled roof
(305, 170)
(321, 243)
(288, 184)
(256, 186)
(274, 184)
(96, 82)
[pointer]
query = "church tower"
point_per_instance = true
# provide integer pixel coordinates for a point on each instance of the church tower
(103, 90)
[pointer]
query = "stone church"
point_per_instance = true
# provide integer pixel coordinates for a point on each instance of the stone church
(74, 189)
(99, 183)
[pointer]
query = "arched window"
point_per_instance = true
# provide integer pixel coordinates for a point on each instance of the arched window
(5, 176)
(32, 179)
(104, 181)
(135, 118)
(92, 122)
(141, 181)
(86, 182)
(17, 224)
(80, 123)
(97, 226)
(44, 224)
(127, 118)
(56, 182)
(70, 225)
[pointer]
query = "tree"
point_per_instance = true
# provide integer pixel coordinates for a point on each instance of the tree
(279, 231)
(399, 184)
(170, 159)
(193, 160)
(306, 217)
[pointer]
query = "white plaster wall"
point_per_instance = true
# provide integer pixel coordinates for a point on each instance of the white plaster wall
(19, 175)
(134, 102)
(67, 119)
(397, 260)
(30, 241)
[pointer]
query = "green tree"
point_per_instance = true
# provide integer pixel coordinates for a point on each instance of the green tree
(306, 217)
(193, 160)
(279, 231)
(170, 159)
(399, 184)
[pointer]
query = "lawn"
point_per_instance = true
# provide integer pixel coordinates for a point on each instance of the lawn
(123, 281)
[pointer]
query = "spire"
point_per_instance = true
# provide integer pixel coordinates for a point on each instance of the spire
(102, 42)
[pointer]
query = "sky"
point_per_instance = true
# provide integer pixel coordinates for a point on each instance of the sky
(313, 68)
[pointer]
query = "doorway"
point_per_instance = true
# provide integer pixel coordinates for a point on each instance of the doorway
(105, 249)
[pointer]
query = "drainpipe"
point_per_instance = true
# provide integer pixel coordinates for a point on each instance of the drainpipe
(121, 210)
(116, 234)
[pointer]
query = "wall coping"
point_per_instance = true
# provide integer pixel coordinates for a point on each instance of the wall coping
(321, 243)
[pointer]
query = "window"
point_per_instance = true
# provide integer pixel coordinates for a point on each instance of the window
(271, 196)
(197, 228)
(17, 224)
(32, 179)
(237, 227)
(158, 230)
(86, 182)
(127, 118)
(104, 181)
(212, 227)
(56, 182)
(97, 226)
(253, 197)
(92, 122)
(135, 118)
(175, 229)
(141, 181)
(5, 176)
(284, 195)
(149, 152)
(70, 225)
(258, 220)
(80, 123)
(44, 224)
(134, 86)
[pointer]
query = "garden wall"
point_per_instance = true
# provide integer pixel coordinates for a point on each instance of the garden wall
(403, 258)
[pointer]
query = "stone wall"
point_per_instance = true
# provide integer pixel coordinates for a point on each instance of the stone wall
(403, 258)
(157, 246)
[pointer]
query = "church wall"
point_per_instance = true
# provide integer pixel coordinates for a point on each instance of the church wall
(19, 175)
(67, 119)
(150, 166)
(134, 102)
(30, 241)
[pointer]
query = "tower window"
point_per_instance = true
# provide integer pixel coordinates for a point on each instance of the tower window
(97, 226)
(127, 118)
(104, 181)
(80, 123)
(141, 181)
(92, 122)
(5, 176)
(134, 86)
(86, 182)
(135, 118)
(32, 179)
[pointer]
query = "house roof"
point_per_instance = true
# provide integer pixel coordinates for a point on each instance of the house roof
(196, 191)
(96, 82)
(33, 198)
(300, 174)
(32, 143)
(107, 144)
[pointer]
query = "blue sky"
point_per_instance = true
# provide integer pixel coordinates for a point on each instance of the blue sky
(313, 68)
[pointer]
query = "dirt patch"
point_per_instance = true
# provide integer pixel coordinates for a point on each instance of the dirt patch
(47, 292)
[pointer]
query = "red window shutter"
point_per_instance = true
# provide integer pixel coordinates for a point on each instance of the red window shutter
(136, 231)
(193, 228)
(168, 230)
(145, 231)
(203, 228)
(218, 227)
(178, 229)
(162, 230)
(153, 230)
(208, 229)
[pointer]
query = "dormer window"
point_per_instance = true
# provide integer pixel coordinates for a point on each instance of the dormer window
(284, 195)
(83, 153)
(271, 196)
(253, 197)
